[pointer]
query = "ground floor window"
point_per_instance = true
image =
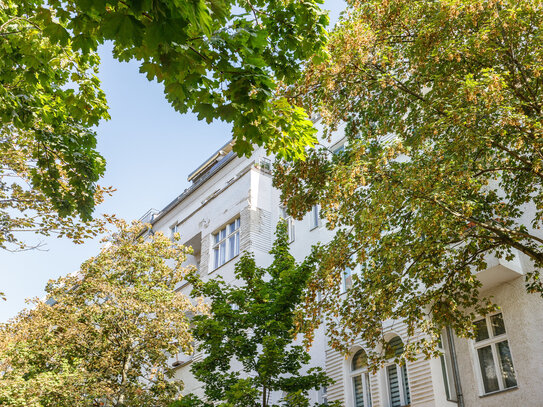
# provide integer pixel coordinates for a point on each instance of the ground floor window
(360, 378)
(396, 376)
(494, 360)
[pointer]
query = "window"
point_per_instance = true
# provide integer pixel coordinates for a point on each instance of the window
(360, 379)
(446, 368)
(290, 223)
(396, 375)
(226, 244)
(338, 149)
(315, 218)
(493, 355)
(173, 230)
(347, 279)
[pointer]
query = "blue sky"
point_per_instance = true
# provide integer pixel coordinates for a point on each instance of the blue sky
(150, 149)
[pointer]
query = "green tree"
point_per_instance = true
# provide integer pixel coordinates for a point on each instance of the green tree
(222, 59)
(103, 334)
(443, 166)
(247, 338)
(49, 101)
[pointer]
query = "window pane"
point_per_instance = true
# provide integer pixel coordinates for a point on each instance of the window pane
(236, 251)
(215, 257)
(508, 372)
(488, 369)
(231, 247)
(223, 233)
(358, 392)
(405, 383)
(498, 327)
(291, 228)
(367, 390)
(216, 238)
(231, 227)
(481, 330)
(347, 279)
(393, 386)
(222, 257)
(445, 376)
(237, 223)
(359, 360)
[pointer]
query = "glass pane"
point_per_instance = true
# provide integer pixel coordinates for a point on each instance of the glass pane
(481, 330)
(506, 362)
(237, 223)
(488, 369)
(216, 236)
(367, 390)
(347, 279)
(236, 251)
(396, 346)
(359, 360)
(358, 392)
(393, 386)
(222, 257)
(231, 247)
(445, 377)
(215, 257)
(223, 233)
(498, 327)
(405, 383)
(231, 227)
(291, 228)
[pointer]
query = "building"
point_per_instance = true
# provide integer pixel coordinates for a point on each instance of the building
(231, 207)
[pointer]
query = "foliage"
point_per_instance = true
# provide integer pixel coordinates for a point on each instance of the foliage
(222, 59)
(247, 336)
(442, 170)
(49, 101)
(104, 334)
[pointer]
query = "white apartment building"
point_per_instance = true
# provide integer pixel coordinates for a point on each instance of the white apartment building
(231, 207)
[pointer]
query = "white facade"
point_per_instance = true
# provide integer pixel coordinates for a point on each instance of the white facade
(232, 207)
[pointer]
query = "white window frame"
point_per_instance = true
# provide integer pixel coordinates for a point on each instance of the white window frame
(401, 378)
(365, 381)
(492, 341)
(314, 217)
(290, 223)
(222, 243)
(400, 373)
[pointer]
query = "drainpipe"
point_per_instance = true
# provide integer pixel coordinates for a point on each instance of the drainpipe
(456, 372)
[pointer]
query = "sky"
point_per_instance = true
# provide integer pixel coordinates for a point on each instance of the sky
(149, 148)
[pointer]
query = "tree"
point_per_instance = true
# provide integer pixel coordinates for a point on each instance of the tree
(442, 104)
(222, 59)
(49, 101)
(103, 335)
(247, 335)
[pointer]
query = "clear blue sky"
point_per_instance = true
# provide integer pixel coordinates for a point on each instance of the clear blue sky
(150, 149)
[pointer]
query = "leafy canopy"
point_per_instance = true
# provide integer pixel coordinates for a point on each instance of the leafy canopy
(443, 166)
(222, 59)
(104, 334)
(247, 337)
(49, 101)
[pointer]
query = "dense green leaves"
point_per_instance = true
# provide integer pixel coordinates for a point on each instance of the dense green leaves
(222, 59)
(247, 338)
(442, 171)
(49, 101)
(103, 335)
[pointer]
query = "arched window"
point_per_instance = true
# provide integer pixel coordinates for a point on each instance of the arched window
(360, 379)
(398, 384)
